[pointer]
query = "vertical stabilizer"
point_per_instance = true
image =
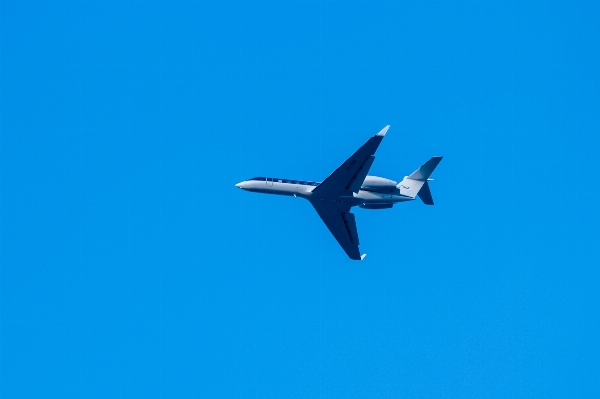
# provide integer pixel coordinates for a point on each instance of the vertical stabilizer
(410, 187)
(416, 183)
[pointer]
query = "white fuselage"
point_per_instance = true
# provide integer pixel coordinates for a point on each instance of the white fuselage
(348, 186)
(300, 188)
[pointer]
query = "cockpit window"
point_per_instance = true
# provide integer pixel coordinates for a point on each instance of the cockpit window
(259, 178)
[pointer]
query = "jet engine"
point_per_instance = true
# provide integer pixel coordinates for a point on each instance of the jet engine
(379, 184)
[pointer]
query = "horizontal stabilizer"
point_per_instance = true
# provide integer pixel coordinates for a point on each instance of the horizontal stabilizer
(425, 171)
(425, 194)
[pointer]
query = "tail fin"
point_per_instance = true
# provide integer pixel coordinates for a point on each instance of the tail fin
(416, 183)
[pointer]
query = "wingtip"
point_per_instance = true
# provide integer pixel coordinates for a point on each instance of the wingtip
(383, 131)
(362, 256)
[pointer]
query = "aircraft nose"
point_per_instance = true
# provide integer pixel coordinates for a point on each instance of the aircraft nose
(239, 185)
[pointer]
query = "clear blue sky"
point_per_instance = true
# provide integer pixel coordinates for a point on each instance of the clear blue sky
(132, 267)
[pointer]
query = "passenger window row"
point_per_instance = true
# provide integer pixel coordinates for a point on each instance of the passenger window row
(276, 180)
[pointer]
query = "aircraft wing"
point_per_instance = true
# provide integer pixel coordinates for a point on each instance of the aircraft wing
(340, 221)
(350, 176)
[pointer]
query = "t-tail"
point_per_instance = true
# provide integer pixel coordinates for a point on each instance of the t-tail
(416, 183)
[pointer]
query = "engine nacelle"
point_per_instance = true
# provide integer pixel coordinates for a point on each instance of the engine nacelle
(379, 184)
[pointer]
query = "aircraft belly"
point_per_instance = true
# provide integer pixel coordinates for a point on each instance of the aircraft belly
(271, 191)
(282, 189)
(371, 197)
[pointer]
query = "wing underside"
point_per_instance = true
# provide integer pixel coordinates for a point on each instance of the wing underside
(342, 224)
(350, 175)
(330, 198)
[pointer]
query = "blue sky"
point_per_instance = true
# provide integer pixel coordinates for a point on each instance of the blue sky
(132, 267)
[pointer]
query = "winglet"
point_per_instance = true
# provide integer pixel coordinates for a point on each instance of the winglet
(362, 256)
(383, 131)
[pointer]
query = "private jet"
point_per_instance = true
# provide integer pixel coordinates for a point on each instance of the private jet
(348, 186)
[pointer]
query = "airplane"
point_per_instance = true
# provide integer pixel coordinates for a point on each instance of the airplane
(348, 186)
